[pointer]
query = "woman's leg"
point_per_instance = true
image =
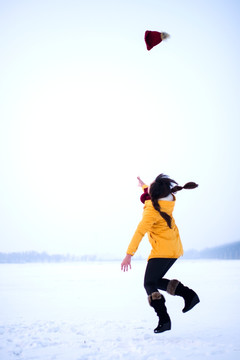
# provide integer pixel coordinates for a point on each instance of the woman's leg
(153, 280)
(155, 270)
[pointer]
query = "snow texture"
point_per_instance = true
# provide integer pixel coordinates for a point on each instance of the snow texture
(93, 311)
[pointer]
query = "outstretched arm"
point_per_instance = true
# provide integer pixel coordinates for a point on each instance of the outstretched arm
(126, 263)
(145, 196)
(140, 182)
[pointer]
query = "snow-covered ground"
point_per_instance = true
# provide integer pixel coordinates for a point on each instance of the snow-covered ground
(83, 311)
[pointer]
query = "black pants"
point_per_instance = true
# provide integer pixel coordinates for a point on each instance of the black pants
(155, 270)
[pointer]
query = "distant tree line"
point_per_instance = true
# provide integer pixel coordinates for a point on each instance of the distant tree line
(43, 257)
(228, 251)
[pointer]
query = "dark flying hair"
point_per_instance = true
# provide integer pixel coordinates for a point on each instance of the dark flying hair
(162, 187)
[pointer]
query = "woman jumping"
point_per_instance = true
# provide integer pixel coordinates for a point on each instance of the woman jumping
(163, 234)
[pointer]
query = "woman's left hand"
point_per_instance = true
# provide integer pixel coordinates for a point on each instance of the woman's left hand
(140, 182)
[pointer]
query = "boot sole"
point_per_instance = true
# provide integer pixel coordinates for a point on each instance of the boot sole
(164, 327)
(194, 302)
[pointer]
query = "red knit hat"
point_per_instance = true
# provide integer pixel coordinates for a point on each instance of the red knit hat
(153, 38)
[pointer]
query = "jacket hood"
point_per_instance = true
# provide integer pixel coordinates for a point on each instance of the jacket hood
(165, 205)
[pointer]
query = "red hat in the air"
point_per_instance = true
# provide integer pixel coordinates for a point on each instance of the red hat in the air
(153, 38)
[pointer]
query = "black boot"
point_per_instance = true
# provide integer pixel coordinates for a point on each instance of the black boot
(190, 297)
(157, 301)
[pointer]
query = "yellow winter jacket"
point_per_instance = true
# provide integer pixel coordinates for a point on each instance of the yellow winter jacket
(165, 242)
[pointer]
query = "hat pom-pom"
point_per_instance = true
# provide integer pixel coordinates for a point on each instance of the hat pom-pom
(164, 36)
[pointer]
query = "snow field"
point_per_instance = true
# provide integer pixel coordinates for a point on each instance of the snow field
(84, 311)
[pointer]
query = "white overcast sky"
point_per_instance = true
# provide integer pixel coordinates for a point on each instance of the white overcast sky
(85, 109)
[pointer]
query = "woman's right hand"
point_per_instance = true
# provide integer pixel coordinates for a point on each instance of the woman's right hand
(126, 263)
